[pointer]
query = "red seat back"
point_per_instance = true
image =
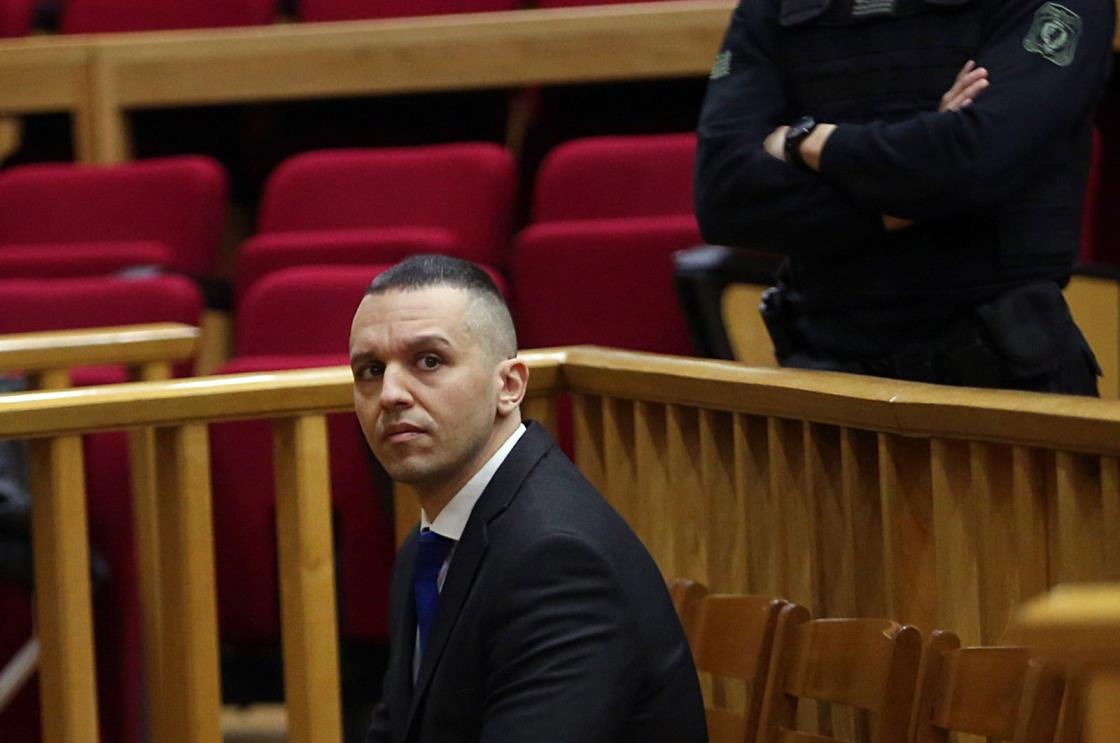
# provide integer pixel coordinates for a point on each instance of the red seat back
(612, 177)
(345, 10)
(179, 202)
(466, 189)
(15, 17)
(101, 16)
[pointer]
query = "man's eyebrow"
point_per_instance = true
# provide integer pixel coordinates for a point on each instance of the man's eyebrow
(427, 340)
(362, 357)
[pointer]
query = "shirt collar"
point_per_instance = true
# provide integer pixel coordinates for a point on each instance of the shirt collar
(452, 520)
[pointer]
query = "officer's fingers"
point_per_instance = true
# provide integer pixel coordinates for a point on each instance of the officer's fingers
(967, 89)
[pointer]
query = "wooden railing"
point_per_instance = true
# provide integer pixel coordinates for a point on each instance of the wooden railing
(99, 79)
(940, 507)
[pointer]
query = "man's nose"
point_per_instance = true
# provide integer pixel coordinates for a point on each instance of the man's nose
(395, 388)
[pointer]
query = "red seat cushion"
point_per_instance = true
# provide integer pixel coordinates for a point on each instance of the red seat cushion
(178, 202)
(15, 17)
(345, 10)
(466, 189)
(273, 251)
(100, 16)
(607, 282)
(80, 259)
(616, 177)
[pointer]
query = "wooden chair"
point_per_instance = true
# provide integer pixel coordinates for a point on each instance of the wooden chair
(687, 595)
(868, 664)
(734, 639)
(998, 692)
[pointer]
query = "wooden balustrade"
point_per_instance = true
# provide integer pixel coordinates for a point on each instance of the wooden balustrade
(937, 506)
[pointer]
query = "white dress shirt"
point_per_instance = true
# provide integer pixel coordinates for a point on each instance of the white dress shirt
(452, 520)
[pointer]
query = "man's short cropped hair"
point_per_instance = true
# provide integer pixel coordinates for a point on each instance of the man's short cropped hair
(490, 321)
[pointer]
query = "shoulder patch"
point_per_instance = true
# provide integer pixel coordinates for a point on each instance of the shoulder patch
(722, 67)
(1054, 33)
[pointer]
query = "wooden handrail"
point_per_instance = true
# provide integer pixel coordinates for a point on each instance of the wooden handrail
(129, 345)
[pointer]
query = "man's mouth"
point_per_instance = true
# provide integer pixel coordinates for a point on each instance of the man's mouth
(397, 433)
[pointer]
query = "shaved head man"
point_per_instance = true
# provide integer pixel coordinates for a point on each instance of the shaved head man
(522, 607)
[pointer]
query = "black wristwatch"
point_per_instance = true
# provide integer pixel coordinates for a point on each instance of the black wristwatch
(797, 133)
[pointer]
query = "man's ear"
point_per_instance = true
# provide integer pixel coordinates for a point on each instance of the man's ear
(513, 375)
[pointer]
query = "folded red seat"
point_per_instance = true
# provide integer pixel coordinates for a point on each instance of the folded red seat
(101, 16)
(347, 10)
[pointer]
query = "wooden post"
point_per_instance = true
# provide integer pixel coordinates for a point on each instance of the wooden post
(307, 584)
(190, 623)
(67, 683)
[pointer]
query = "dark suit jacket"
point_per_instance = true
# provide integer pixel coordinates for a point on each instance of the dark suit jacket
(554, 625)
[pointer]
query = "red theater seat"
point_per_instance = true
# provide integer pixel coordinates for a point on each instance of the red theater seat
(383, 204)
(31, 305)
(611, 177)
(59, 260)
(15, 17)
(567, 3)
(346, 10)
(608, 282)
(101, 16)
(176, 202)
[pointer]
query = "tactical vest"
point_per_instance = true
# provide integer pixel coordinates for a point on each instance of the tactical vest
(858, 61)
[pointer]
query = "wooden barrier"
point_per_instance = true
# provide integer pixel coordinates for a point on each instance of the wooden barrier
(65, 628)
(941, 507)
(100, 78)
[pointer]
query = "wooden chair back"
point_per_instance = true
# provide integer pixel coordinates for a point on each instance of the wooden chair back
(734, 639)
(687, 595)
(998, 692)
(868, 664)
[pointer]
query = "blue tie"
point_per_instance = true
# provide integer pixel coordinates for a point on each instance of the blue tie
(430, 555)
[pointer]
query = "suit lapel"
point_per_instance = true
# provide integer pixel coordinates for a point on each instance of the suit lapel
(471, 549)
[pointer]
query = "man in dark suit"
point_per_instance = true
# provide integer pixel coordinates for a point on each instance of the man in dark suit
(522, 607)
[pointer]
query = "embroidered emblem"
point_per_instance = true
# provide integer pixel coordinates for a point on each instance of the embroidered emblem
(1054, 34)
(864, 8)
(722, 67)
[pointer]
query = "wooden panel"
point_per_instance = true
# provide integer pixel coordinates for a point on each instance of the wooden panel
(1094, 302)
(307, 583)
(49, 379)
(1102, 714)
(908, 547)
(587, 422)
(759, 509)
(38, 75)
(64, 622)
(1033, 484)
(859, 454)
(542, 409)
(406, 511)
(1076, 539)
(1110, 517)
(651, 454)
(190, 622)
(133, 345)
(619, 462)
(690, 508)
(1003, 574)
(727, 523)
(794, 530)
(956, 540)
(834, 579)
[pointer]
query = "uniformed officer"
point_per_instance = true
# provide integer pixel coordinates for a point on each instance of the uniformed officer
(922, 165)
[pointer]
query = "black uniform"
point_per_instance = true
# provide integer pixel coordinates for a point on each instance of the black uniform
(970, 293)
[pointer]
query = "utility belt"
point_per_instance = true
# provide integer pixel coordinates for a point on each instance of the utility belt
(1025, 332)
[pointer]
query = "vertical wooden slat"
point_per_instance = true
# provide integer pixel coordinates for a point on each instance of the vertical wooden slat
(691, 519)
(619, 462)
(794, 528)
(726, 523)
(1001, 571)
(1077, 549)
(859, 461)
(1110, 516)
(190, 627)
(908, 550)
(63, 610)
(587, 421)
(652, 459)
(752, 477)
(956, 539)
(406, 511)
(49, 379)
(307, 583)
(543, 411)
(145, 517)
(834, 580)
(1033, 486)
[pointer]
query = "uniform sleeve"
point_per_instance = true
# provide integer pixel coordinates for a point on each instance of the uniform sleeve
(561, 650)
(744, 196)
(1046, 63)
